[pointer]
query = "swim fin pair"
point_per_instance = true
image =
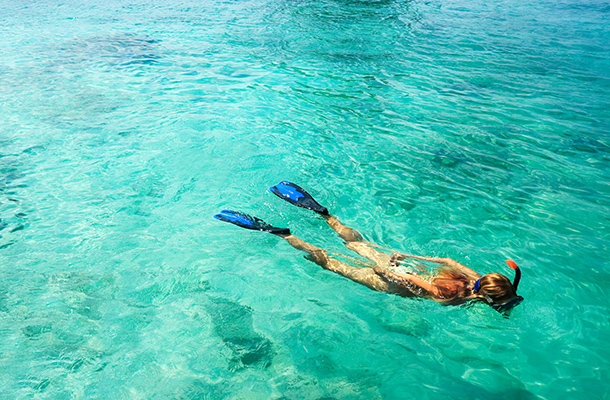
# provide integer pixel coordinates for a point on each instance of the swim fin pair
(292, 193)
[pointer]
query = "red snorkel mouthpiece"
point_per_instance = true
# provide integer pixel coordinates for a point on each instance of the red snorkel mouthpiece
(514, 266)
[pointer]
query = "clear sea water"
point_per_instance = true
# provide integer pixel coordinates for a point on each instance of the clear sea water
(476, 130)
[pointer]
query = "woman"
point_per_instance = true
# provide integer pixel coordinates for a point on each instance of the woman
(452, 283)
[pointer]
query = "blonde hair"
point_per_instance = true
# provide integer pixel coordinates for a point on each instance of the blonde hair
(497, 287)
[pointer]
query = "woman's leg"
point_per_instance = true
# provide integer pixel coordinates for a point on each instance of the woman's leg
(364, 276)
(346, 233)
(354, 241)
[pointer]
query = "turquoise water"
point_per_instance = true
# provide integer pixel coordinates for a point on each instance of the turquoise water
(475, 130)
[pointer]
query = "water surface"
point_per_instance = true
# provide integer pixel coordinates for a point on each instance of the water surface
(473, 130)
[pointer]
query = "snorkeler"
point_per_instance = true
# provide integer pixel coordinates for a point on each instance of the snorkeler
(452, 283)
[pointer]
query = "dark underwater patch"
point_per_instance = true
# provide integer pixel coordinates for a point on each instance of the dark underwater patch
(13, 219)
(34, 331)
(234, 325)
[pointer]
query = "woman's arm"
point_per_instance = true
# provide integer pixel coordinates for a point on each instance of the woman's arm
(409, 280)
(447, 261)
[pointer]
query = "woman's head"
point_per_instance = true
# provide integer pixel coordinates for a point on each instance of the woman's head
(497, 291)
(497, 287)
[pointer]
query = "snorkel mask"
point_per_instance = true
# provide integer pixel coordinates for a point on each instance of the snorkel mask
(507, 306)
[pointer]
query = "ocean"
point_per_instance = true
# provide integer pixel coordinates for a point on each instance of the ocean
(476, 130)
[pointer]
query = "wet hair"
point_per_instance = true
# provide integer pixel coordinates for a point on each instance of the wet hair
(497, 287)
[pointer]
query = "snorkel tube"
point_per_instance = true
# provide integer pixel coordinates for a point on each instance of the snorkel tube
(517, 279)
(507, 306)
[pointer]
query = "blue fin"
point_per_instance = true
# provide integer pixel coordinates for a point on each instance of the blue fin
(249, 222)
(294, 194)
